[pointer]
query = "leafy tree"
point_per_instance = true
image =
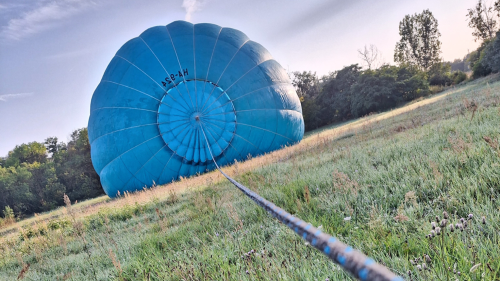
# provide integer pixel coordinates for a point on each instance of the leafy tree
(74, 168)
(419, 44)
(336, 94)
(26, 153)
(411, 82)
(482, 20)
(14, 187)
(491, 57)
(480, 66)
(53, 146)
(307, 85)
(373, 91)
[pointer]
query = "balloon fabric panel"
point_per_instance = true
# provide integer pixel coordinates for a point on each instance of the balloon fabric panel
(167, 89)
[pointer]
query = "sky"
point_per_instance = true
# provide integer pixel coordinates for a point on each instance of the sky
(53, 52)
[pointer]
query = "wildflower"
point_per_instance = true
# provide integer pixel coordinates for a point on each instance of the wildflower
(433, 233)
(424, 266)
(247, 272)
(217, 234)
(437, 219)
(465, 224)
(261, 226)
(445, 215)
(438, 230)
(409, 273)
(433, 224)
(444, 222)
(470, 216)
(484, 220)
(452, 228)
(461, 227)
(419, 267)
(427, 258)
(462, 220)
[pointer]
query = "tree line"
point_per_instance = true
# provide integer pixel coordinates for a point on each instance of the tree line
(355, 91)
(34, 177)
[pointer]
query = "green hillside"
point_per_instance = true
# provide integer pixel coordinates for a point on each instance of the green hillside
(376, 183)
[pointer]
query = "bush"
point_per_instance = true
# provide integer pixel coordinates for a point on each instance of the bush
(439, 74)
(458, 77)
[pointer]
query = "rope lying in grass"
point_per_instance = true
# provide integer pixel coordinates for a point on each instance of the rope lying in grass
(356, 263)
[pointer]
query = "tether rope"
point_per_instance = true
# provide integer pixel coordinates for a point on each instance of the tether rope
(354, 262)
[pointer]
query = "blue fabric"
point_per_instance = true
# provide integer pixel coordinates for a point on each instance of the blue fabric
(162, 87)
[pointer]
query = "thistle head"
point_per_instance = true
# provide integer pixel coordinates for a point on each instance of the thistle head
(445, 215)
(444, 222)
(471, 216)
(433, 224)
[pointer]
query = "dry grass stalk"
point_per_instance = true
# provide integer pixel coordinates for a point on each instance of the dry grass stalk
(23, 271)
(344, 184)
(231, 212)
(307, 194)
(410, 197)
(115, 261)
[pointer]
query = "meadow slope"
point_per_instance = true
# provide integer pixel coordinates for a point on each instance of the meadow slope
(375, 183)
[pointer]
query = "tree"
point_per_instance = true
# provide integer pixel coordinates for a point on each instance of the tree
(306, 83)
(369, 55)
(53, 146)
(26, 153)
(74, 169)
(482, 20)
(419, 44)
(492, 54)
(336, 94)
(480, 66)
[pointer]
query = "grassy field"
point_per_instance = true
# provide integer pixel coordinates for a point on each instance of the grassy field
(375, 183)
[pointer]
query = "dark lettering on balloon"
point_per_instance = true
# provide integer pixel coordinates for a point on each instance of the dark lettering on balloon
(171, 78)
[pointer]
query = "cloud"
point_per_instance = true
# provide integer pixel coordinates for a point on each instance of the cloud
(45, 16)
(309, 19)
(192, 6)
(7, 97)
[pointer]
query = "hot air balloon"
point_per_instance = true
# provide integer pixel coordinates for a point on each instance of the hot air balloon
(168, 92)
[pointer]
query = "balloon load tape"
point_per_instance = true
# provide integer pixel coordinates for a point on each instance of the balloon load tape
(354, 262)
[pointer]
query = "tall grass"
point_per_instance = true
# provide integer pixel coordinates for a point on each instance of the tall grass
(376, 183)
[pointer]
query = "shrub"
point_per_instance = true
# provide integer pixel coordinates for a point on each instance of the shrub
(458, 77)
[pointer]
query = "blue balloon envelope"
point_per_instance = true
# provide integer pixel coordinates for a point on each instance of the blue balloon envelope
(167, 89)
